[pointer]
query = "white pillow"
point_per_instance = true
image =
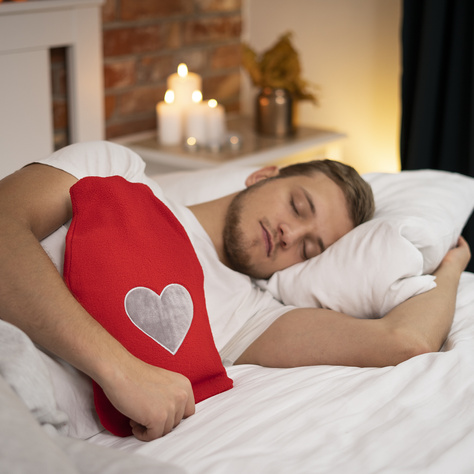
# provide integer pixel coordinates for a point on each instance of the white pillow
(364, 274)
(193, 187)
(419, 216)
(434, 205)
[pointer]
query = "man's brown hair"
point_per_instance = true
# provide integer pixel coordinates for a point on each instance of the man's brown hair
(358, 193)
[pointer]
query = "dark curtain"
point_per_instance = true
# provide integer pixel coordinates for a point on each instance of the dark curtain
(437, 128)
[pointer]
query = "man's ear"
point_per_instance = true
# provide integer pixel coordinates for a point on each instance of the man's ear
(262, 173)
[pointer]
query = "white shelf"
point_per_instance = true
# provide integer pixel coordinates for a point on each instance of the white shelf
(254, 150)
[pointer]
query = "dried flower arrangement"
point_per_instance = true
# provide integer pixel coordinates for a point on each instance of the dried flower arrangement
(278, 67)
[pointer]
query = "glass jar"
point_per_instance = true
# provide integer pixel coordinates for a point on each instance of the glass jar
(274, 112)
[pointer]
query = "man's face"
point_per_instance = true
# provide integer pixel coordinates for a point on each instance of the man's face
(279, 222)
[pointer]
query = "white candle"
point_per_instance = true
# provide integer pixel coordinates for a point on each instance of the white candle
(184, 83)
(196, 124)
(215, 123)
(170, 121)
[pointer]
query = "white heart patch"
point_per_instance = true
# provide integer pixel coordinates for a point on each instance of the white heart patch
(166, 318)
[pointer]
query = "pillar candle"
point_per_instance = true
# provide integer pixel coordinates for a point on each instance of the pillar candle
(170, 123)
(215, 123)
(184, 83)
(196, 119)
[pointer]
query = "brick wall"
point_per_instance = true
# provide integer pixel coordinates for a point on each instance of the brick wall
(59, 91)
(144, 41)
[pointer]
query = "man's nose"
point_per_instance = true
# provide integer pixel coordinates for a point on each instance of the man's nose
(291, 234)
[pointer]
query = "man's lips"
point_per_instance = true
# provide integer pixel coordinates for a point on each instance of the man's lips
(267, 240)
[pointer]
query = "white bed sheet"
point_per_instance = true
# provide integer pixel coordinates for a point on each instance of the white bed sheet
(415, 417)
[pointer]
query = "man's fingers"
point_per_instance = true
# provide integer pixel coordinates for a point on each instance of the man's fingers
(190, 405)
(164, 421)
(144, 433)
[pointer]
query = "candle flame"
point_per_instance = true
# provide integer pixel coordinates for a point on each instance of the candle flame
(212, 103)
(169, 96)
(182, 70)
(197, 96)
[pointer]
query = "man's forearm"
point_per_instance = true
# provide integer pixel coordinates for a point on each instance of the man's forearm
(312, 336)
(33, 296)
(33, 203)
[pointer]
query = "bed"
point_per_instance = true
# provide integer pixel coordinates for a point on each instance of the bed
(414, 417)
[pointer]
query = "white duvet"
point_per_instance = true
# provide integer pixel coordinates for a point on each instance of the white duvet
(417, 417)
(412, 418)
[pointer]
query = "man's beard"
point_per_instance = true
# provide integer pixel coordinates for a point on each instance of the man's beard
(233, 236)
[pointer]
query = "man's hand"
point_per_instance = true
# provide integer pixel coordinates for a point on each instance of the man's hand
(154, 399)
(458, 257)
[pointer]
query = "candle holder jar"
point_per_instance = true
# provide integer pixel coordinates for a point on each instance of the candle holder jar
(274, 112)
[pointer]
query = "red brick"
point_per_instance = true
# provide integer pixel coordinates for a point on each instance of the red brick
(218, 5)
(61, 139)
(58, 55)
(172, 34)
(212, 29)
(119, 74)
(122, 41)
(120, 129)
(155, 36)
(60, 114)
(195, 59)
(140, 99)
(59, 82)
(58, 72)
(109, 11)
(226, 57)
(110, 102)
(155, 68)
(148, 9)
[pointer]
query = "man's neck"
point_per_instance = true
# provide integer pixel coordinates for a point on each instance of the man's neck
(211, 216)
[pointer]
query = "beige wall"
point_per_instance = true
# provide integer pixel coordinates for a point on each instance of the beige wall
(351, 49)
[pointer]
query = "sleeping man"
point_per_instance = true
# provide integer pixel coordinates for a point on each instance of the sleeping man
(282, 218)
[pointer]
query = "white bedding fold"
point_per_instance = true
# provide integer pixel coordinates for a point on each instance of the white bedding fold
(415, 417)
(32, 427)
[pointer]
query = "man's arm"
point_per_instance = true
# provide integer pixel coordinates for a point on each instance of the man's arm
(319, 336)
(34, 202)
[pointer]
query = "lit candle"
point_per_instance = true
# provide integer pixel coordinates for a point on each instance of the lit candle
(235, 142)
(191, 144)
(170, 125)
(184, 83)
(196, 124)
(215, 123)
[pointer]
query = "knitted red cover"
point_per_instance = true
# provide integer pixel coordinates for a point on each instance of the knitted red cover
(131, 265)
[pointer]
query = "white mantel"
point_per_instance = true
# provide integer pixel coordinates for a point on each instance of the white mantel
(27, 31)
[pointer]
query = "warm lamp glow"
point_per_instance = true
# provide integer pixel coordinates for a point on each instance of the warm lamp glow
(212, 103)
(197, 97)
(169, 96)
(191, 141)
(182, 70)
